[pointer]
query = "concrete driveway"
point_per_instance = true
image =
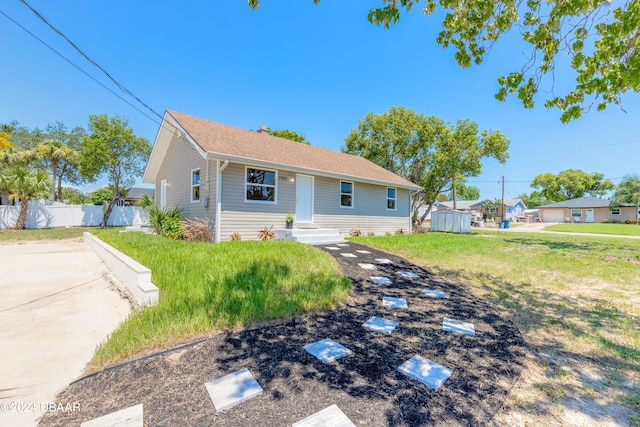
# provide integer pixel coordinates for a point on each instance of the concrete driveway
(57, 303)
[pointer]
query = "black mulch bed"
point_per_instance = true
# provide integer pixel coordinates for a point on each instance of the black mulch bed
(365, 385)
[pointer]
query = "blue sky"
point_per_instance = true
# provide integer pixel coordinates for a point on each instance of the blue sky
(313, 69)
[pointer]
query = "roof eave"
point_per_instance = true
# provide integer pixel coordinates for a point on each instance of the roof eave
(276, 165)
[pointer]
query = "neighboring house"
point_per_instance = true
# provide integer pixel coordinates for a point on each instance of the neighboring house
(135, 193)
(244, 180)
(586, 209)
(513, 207)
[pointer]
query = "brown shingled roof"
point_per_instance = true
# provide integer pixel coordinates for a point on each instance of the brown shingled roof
(223, 140)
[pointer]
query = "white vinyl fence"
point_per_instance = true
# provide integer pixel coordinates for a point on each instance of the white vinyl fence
(42, 215)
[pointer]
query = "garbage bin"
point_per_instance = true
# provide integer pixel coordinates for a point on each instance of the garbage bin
(504, 223)
(501, 224)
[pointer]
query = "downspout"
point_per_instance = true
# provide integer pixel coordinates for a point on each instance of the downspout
(219, 170)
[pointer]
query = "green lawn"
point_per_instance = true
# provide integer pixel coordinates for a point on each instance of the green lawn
(576, 300)
(598, 228)
(43, 234)
(204, 287)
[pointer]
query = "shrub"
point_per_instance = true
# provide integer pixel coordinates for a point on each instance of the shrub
(605, 221)
(387, 233)
(235, 236)
(197, 230)
(371, 234)
(355, 232)
(400, 231)
(166, 221)
(266, 234)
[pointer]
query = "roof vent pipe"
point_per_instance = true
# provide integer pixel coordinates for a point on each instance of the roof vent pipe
(264, 130)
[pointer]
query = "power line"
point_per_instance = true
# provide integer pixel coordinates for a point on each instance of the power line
(61, 34)
(77, 67)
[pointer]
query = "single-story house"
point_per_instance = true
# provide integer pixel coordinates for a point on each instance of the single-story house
(244, 181)
(135, 193)
(586, 209)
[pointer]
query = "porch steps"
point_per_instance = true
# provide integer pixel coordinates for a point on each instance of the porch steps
(311, 236)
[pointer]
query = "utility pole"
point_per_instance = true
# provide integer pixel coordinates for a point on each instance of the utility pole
(502, 211)
(453, 192)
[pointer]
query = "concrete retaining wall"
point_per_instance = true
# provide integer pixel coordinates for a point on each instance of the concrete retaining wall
(135, 276)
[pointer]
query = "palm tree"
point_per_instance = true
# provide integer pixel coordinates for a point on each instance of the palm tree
(24, 184)
(58, 156)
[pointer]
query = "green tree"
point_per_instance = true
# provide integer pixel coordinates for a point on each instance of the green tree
(571, 184)
(289, 134)
(425, 150)
(600, 40)
(628, 191)
(74, 196)
(464, 192)
(534, 199)
(67, 170)
(57, 156)
(112, 148)
(23, 183)
(104, 195)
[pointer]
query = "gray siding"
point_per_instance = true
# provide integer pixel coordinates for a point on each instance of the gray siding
(369, 212)
(247, 218)
(180, 160)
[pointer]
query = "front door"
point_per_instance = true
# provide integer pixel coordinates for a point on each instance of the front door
(304, 199)
(589, 217)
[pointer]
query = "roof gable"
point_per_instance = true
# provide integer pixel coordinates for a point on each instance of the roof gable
(222, 142)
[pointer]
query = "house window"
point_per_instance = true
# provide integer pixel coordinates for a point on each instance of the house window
(195, 185)
(346, 194)
(391, 199)
(576, 212)
(260, 185)
(615, 211)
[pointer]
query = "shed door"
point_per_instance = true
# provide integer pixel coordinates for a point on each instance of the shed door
(304, 199)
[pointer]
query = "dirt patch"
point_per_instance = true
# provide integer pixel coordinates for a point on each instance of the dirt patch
(366, 385)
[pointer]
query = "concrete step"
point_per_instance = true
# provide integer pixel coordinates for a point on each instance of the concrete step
(311, 236)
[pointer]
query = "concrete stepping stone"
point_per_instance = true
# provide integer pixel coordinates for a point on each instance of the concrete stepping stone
(347, 255)
(381, 280)
(383, 261)
(408, 275)
(368, 266)
(332, 248)
(433, 293)
(328, 417)
(327, 350)
(342, 244)
(362, 251)
(425, 371)
(378, 324)
(233, 389)
(392, 302)
(452, 325)
(129, 417)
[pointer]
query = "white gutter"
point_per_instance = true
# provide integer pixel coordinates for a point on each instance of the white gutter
(219, 170)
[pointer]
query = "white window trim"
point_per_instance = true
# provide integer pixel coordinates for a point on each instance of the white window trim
(192, 186)
(576, 216)
(275, 186)
(353, 193)
(395, 199)
(615, 213)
